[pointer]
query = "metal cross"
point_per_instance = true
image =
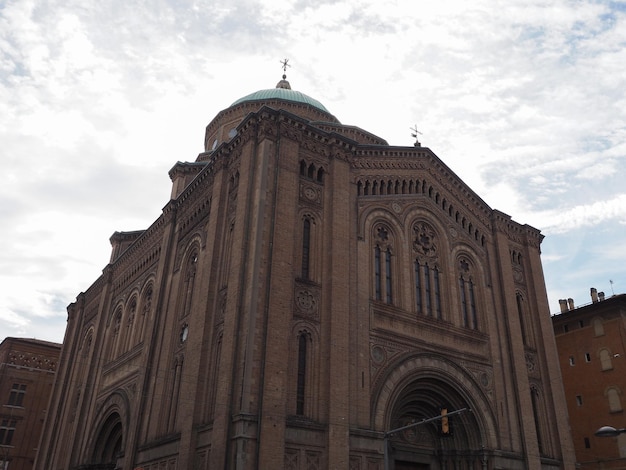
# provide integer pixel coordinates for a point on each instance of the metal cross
(414, 135)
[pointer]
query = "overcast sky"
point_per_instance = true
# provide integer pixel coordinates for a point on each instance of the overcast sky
(524, 100)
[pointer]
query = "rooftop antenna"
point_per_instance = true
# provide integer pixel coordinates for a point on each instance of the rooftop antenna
(611, 282)
(285, 63)
(414, 135)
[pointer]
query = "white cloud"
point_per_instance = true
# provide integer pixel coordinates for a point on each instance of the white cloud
(523, 100)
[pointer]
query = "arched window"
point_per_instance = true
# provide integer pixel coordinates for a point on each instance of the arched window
(426, 271)
(174, 394)
(320, 175)
(427, 290)
(116, 332)
(377, 274)
(598, 327)
(146, 306)
(304, 375)
(301, 377)
(388, 296)
(306, 247)
(613, 396)
(534, 396)
(213, 374)
(437, 292)
(605, 360)
(525, 324)
(131, 317)
(383, 264)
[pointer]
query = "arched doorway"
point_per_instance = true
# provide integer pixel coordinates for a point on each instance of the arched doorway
(416, 388)
(430, 446)
(108, 444)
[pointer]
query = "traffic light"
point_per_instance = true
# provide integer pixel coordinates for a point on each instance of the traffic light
(445, 426)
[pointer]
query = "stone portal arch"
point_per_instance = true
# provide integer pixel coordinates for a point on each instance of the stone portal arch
(108, 443)
(105, 449)
(417, 388)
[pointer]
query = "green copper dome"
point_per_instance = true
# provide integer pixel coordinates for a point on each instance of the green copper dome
(282, 92)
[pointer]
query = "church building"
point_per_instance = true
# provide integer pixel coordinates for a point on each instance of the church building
(308, 291)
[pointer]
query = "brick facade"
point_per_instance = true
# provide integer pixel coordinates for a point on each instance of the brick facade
(307, 288)
(27, 369)
(592, 355)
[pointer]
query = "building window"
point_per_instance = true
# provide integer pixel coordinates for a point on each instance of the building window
(437, 292)
(418, 287)
(16, 398)
(571, 361)
(565, 328)
(468, 304)
(605, 360)
(427, 290)
(377, 278)
(581, 323)
(301, 380)
(598, 327)
(383, 268)
(388, 297)
(429, 307)
(579, 400)
(534, 397)
(615, 403)
(7, 429)
(587, 443)
(587, 357)
(306, 248)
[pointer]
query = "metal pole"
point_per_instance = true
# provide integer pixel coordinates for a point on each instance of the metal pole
(412, 425)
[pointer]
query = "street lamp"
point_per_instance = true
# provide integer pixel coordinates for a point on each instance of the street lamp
(609, 431)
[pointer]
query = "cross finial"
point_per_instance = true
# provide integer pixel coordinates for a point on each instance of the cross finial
(285, 63)
(414, 135)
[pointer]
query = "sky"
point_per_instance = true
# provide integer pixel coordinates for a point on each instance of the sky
(524, 100)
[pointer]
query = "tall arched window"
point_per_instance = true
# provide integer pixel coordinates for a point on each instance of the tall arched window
(131, 317)
(615, 403)
(598, 327)
(534, 396)
(174, 393)
(377, 274)
(525, 323)
(388, 295)
(520, 313)
(427, 290)
(605, 360)
(306, 247)
(383, 264)
(418, 287)
(437, 292)
(426, 272)
(301, 376)
(116, 332)
(146, 306)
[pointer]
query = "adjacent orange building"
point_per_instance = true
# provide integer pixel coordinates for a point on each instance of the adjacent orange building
(27, 369)
(591, 343)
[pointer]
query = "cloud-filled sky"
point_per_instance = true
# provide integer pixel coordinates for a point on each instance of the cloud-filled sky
(524, 99)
